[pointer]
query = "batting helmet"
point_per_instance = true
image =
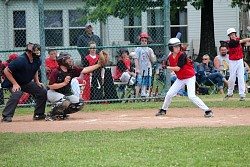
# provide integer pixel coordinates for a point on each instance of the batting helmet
(230, 30)
(144, 35)
(173, 42)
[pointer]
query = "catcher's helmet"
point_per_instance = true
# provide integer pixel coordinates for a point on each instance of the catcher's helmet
(230, 30)
(61, 59)
(173, 42)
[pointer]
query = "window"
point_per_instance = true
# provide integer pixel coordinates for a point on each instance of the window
(132, 28)
(19, 24)
(76, 26)
(179, 24)
(53, 23)
(155, 24)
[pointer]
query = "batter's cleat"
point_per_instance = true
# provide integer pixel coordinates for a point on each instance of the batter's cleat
(6, 119)
(161, 112)
(37, 117)
(227, 97)
(208, 114)
(242, 98)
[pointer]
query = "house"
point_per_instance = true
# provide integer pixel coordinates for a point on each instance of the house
(20, 25)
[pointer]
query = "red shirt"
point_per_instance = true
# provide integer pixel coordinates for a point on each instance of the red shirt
(187, 71)
(51, 64)
(235, 49)
(127, 63)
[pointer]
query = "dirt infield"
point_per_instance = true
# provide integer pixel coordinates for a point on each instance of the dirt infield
(126, 120)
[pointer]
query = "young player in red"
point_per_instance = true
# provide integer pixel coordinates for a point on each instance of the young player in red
(184, 70)
(236, 63)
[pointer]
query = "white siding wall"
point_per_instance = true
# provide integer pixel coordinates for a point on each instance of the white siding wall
(2, 25)
(224, 18)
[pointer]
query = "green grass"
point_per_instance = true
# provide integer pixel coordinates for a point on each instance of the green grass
(227, 146)
(211, 101)
(201, 146)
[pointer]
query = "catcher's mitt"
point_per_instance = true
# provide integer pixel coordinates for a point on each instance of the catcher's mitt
(103, 58)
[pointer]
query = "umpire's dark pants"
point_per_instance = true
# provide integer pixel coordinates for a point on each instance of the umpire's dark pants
(39, 93)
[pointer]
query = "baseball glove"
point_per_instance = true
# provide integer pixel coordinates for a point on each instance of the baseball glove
(103, 58)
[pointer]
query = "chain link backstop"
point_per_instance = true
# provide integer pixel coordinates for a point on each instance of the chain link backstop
(57, 25)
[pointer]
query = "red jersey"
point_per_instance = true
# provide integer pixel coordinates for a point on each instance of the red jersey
(235, 49)
(52, 64)
(122, 67)
(187, 71)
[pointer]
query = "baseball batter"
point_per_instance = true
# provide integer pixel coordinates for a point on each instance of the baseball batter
(184, 69)
(236, 63)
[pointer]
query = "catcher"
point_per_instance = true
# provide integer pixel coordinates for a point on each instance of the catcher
(59, 93)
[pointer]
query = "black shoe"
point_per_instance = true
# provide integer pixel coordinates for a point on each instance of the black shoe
(6, 119)
(208, 114)
(228, 96)
(242, 98)
(39, 117)
(161, 112)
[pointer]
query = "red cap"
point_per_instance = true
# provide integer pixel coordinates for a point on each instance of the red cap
(13, 56)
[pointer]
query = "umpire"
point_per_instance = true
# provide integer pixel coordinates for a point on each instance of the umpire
(21, 72)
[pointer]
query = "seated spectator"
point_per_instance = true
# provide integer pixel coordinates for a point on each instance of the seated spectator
(124, 72)
(51, 62)
(5, 64)
(246, 72)
(221, 61)
(207, 70)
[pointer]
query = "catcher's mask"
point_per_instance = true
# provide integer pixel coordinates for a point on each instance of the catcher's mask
(62, 60)
(35, 51)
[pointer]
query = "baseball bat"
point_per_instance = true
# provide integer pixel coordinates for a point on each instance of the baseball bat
(178, 35)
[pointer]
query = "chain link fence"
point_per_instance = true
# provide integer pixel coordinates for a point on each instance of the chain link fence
(58, 26)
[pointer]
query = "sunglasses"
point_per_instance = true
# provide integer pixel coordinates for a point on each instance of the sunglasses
(204, 59)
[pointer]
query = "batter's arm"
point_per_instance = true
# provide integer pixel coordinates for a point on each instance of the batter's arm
(245, 40)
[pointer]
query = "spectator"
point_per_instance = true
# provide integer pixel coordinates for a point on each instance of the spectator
(83, 41)
(60, 87)
(51, 62)
(21, 72)
(246, 72)
(124, 71)
(94, 80)
(184, 70)
(5, 64)
(236, 64)
(143, 64)
(207, 69)
(221, 61)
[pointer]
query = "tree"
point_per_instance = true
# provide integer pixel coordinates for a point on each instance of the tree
(207, 40)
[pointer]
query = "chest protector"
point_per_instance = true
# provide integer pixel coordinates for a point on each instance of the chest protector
(66, 90)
